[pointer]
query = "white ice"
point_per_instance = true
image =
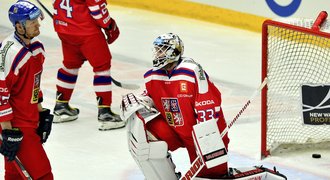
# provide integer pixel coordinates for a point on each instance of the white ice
(232, 58)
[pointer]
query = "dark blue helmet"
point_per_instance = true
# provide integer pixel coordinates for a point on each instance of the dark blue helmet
(23, 10)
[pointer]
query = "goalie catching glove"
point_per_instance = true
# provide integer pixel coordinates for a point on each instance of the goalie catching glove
(112, 31)
(132, 103)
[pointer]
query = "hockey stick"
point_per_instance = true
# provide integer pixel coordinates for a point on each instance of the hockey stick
(21, 169)
(198, 163)
(44, 7)
(117, 83)
(125, 85)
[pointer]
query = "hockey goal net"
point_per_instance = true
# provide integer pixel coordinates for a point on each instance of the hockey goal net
(295, 57)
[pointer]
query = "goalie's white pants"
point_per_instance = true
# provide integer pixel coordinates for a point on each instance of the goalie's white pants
(151, 156)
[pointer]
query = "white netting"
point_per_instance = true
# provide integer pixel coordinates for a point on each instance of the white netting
(294, 58)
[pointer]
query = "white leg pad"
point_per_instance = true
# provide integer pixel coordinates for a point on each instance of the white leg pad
(151, 156)
(209, 144)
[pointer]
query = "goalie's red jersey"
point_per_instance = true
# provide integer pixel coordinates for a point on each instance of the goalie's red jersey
(185, 96)
(80, 17)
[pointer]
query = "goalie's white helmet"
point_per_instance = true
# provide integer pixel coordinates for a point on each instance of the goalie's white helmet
(167, 49)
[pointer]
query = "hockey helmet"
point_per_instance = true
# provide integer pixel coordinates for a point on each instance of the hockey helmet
(167, 48)
(22, 11)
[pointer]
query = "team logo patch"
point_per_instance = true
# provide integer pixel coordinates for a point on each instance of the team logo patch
(15, 10)
(183, 87)
(172, 111)
(36, 88)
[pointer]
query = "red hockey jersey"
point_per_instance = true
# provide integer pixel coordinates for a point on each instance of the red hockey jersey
(80, 17)
(185, 96)
(20, 75)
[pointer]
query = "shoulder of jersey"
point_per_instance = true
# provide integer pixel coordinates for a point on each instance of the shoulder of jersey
(14, 52)
(10, 47)
(189, 63)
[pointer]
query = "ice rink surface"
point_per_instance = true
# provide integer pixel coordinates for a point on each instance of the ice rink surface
(232, 58)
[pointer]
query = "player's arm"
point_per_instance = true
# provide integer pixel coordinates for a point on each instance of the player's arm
(207, 97)
(210, 122)
(10, 137)
(208, 104)
(99, 11)
(6, 112)
(6, 125)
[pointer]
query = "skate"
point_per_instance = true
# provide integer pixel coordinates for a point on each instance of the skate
(63, 112)
(109, 120)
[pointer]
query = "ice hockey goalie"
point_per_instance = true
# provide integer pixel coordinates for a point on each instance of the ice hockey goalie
(152, 155)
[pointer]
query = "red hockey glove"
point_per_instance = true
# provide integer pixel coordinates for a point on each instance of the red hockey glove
(112, 32)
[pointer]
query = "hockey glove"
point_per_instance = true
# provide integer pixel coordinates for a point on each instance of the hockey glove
(112, 32)
(11, 140)
(45, 124)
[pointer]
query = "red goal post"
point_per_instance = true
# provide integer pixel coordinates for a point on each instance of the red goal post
(294, 53)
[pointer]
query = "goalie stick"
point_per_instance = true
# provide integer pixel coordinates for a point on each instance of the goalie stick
(198, 163)
(117, 83)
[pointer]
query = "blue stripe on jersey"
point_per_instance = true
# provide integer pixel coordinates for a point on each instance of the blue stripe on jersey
(66, 78)
(102, 80)
(157, 72)
(147, 73)
(21, 54)
(187, 72)
(216, 115)
(36, 45)
(94, 13)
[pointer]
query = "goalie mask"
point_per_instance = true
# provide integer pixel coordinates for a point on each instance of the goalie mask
(167, 48)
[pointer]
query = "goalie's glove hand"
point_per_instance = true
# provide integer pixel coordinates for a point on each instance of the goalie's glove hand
(112, 32)
(131, 103)
(45, 124)
(11, 140)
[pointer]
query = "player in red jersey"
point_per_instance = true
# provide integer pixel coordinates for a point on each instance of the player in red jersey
(79, 25)
(25, 125)
(181, 91)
